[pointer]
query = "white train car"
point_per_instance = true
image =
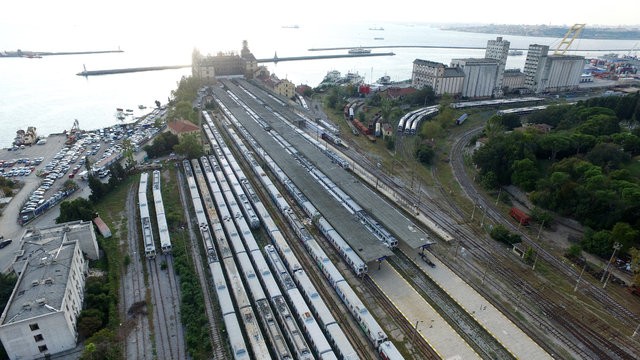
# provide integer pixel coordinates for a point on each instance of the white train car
(388, 351)
(232, 325)
(374, 332)
(312, 329)
(145, 220)
(332, 330)
(163, 229)
(242, 301)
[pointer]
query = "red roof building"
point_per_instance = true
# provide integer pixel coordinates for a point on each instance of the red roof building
(182, 127)
(102, 227)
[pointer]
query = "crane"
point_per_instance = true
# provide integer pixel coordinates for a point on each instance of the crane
(571, 35)
(73, 133)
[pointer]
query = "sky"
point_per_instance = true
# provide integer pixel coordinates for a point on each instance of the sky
(116, 13)
(33, 23)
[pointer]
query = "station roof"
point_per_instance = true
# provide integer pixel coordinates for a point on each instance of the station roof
(364, 243)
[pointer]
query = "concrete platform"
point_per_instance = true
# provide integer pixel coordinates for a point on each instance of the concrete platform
(431, 326)
(498, 325)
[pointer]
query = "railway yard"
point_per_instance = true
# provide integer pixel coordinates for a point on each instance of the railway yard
(481, 323)
(306, 248)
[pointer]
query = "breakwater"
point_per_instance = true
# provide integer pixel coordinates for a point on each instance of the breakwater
(129, 70)
(277, 59)
(30, 54)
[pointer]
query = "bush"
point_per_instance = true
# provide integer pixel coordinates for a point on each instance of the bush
(500, 233)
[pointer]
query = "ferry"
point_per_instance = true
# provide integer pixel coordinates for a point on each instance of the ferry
(359, 51)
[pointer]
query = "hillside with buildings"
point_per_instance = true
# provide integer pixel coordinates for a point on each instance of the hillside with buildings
(618, 33)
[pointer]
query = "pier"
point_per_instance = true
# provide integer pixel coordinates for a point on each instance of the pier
(275, 59)
(27, 53)
(129, 70)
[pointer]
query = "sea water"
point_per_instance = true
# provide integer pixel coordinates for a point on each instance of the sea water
(47, 93)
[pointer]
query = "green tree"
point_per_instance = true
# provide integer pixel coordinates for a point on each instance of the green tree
(189, 146)
(525, 174)
(609, 156)
(625, 235)
(424, 154)
(78, 209)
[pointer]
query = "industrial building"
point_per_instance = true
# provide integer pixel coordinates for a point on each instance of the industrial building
(551, 73)
(498, 49)
(441, 78)
(513, 79)
(479, 76)
(41, 314)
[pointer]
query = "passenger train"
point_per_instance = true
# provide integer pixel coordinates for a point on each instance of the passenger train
(145, 220)
(372, 329)
(163, 229)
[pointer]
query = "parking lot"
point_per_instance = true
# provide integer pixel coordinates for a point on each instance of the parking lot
(44, 168)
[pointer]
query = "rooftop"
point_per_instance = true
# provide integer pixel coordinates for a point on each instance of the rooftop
(42, 284)
(182, 126)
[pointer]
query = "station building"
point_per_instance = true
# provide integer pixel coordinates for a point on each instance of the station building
(224, 65)
(41, 314)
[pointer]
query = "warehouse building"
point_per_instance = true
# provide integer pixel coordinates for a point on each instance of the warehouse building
(480, 76)
(441, 78)
(41, 314)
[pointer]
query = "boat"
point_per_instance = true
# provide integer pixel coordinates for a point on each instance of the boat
(378, 38)
(515, 52)
(378, 28)
(290, 26)
(141, 107)
(120, 115)
(359, 51)
(385, 80)
(129, 110)
(119, 109)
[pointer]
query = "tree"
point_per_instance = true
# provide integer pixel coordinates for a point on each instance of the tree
(625, 235)
(127, 151)
(525, 174)
(425, 154)
(98, 189)
(89, 322)
(510, 121)
(78, 209)
(609, 156)
(189, 146)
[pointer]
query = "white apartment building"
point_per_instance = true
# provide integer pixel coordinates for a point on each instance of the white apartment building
(441, 78)
(41, 315)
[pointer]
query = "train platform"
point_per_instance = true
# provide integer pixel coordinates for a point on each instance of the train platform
(497, 324)
(429, 324)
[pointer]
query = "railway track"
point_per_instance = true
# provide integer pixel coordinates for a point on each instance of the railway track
(582, 346)
(161, 318)
(470, 330)
(210, 309)
(577, 327)
(425, 350)
(137, 344)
